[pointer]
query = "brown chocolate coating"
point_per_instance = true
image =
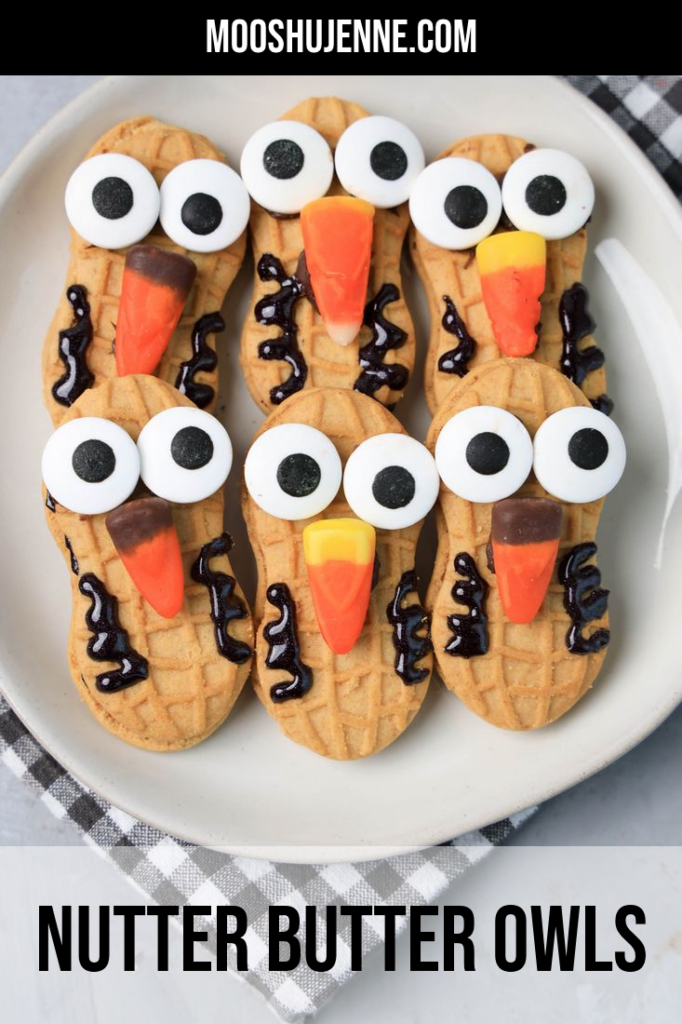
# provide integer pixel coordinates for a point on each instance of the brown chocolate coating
(135, 522)
(525, 521)
(162, 266)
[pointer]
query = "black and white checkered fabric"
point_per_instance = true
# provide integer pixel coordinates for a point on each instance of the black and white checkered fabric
(649, 109)
(173, 872)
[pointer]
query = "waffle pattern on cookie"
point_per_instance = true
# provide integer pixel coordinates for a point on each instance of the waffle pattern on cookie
(160, 147)
(528, 678)
(328, 364)
(190, 688)
(455, 274)
(357, 704)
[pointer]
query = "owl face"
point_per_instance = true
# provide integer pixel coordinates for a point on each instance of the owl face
(524, 463)
(157, 221)
(329, 185)
(160, 632)
(499, 240)
(335, 492)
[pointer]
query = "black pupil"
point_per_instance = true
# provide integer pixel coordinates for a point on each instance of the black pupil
(588, 448)
(192, 448)
(546, 195)
(93, 461)
(201, 214)
(487, 453)
(112, 198)
(298, 475)
(393, 487)
(283, 159)
(465, 206)
(388, 160)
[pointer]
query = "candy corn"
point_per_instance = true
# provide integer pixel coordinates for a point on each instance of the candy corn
(339, 556)
(156, 283)
(144, 536)
(511, 266)
(337, 236)
(525, 540)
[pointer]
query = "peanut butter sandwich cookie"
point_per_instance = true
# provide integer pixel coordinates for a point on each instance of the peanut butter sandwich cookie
(499, 241)
(157, 236)
(334, 498)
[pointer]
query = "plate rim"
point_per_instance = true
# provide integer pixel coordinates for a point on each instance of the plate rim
(664, 195)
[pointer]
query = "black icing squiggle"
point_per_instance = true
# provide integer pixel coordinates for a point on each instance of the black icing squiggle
(225, 604)
(283, 650)
(204, 359)
(375, 373)
(576, 324)
(408, 623)
(110, 642)
(49, 502)
(456, 360)
(73, 345)
(75, 567)
(277, 309)
(584, 599)
(469, 632)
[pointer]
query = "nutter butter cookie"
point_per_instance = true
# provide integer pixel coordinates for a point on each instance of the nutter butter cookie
(519, 617)
(329, 186)
(334, 498)
(157, 237)
(499, 240)
(161, 637)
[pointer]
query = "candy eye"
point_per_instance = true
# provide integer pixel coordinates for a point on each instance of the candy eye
(549, 192)
(112, 201)
(455, 203)
(185, 455)
(292, 471)
(391, 481)
(579, 454)
(379, 159)
(204, 205)
(285, 165)
(90, 465)
(484, 454)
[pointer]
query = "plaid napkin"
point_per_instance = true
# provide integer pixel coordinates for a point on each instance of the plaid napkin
(169, 871)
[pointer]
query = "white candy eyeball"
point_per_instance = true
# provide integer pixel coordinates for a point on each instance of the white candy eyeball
(484, 454)
(455, 203)
(185, 454)
(292, 471)
(112, 201)
(579, 454)
(90, 465)
(549, 192)
(379, 159)
(204, 205)
(391, 481)
(285, 165)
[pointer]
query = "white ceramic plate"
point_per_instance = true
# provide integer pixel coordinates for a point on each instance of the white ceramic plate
(248, 789)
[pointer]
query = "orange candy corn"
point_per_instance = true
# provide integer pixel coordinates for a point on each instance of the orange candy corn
(144, 536)
(511, 267)
(156, 283)
(525, 541)
(339, 555)
(337, 237)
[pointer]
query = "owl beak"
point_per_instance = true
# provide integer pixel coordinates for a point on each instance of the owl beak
(147, 543)
(156, 283)
(339, 557)
(525, 536)
(511, 266)
(337, 238)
